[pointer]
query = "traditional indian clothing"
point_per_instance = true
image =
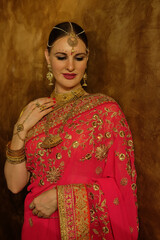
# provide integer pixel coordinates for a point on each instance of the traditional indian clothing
(92, 169)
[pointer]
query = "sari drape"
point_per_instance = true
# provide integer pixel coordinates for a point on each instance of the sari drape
(92, 169)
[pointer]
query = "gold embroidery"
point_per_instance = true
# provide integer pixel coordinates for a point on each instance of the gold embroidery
(41, 182)
(54, 174)
(58, 155)
(130, 143)
(96, 187)
(116, 201)
(121, 156)
(131, 229)
(101, 152)
(99, 137)
(79, 131)
(105, 230)
(68, 136)
(95, 231)
(121, 134)
(75, 144)
(133, 173)
(124, 181)
(108, 135)
(73, 212)
(98, 170)
(129, 169)
(30, 222)
(134, 186)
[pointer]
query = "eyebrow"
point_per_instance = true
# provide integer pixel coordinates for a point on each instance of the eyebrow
(66, 53)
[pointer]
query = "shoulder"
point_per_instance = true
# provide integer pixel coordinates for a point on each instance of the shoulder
(102, 101)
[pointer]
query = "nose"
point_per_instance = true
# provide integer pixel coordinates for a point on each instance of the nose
(70, 65)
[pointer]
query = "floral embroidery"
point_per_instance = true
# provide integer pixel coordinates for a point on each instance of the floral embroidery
(54, 174)
(101, 152)
(116, 201)
(124, 181)
(98, 170)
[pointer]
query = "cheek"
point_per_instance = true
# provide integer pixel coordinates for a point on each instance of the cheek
(56, 66)
(81, 67)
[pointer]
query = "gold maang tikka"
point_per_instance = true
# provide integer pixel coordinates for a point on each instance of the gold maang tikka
(72, 39)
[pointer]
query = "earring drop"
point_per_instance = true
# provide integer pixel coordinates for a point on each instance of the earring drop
(85, 80)
(49, 75)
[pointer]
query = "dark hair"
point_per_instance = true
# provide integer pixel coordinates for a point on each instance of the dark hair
(56, 33)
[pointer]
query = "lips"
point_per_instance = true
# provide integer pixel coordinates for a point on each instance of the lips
(69, 75)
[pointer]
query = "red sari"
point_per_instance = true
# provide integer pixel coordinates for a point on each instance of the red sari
(92, 169)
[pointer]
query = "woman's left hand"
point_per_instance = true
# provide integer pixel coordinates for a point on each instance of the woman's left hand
(45, 204)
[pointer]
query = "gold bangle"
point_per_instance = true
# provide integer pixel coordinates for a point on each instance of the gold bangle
(14, 152)
(17, 161)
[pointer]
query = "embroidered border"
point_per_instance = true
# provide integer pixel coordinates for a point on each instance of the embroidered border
(73, 212)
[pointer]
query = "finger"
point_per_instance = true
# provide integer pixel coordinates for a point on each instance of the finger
(46, 111)
(32, 206)
(42, 101)
(35, 211)
(39, 214)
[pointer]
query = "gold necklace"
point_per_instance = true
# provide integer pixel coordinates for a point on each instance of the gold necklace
(51, 141)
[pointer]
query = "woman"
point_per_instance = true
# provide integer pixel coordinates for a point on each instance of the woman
(79, 154)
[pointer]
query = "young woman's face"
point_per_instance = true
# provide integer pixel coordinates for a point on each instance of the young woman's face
(68, 68)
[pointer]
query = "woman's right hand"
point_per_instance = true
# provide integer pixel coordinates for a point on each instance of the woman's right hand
(31, 114)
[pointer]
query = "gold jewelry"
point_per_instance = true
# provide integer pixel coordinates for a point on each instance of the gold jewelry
(72, 39)
(37, 104)
(20, 126)
(50, 75)
(42, 107)
(15, 156)
(22, 139)
(85, 80)
(62, 98)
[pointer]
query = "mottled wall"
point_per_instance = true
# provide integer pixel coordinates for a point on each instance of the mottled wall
(124, 37)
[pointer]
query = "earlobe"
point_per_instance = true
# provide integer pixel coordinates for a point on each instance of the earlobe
(47, 56)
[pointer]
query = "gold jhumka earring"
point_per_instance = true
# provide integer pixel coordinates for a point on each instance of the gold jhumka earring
(85, 80)
(49, 75)
(72, 39)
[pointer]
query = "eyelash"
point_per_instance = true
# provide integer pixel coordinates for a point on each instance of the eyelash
(64, 58)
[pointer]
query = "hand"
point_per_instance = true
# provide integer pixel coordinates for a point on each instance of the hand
(45, 204)
(34, 111)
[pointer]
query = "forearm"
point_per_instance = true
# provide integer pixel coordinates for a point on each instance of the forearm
(16, 175)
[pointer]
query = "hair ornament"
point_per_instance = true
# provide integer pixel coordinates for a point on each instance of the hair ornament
(72, 39)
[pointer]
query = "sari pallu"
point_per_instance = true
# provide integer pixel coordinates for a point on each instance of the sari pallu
(92, 169)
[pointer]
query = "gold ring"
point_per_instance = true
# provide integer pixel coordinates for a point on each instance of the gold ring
(37, 104)
(42, 107)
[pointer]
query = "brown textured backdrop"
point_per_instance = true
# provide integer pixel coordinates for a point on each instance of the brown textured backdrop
(124, 37)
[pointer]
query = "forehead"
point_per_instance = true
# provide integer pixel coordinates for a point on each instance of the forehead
(62, 45)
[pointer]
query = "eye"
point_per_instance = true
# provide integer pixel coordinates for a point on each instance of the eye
(79, 58)
(61, 58)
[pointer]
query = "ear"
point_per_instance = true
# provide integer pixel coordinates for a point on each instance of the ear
(47, 56)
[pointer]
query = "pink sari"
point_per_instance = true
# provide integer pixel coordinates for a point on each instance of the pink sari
(93, 170)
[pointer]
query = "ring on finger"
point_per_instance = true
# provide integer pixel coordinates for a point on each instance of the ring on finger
(42, 107)
(37, 104)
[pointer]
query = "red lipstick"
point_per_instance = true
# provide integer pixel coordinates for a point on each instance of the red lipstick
(69, 75)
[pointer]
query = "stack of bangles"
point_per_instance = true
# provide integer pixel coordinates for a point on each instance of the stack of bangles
(15, 156)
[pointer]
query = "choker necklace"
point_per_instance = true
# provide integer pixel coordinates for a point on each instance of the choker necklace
(61, 98)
